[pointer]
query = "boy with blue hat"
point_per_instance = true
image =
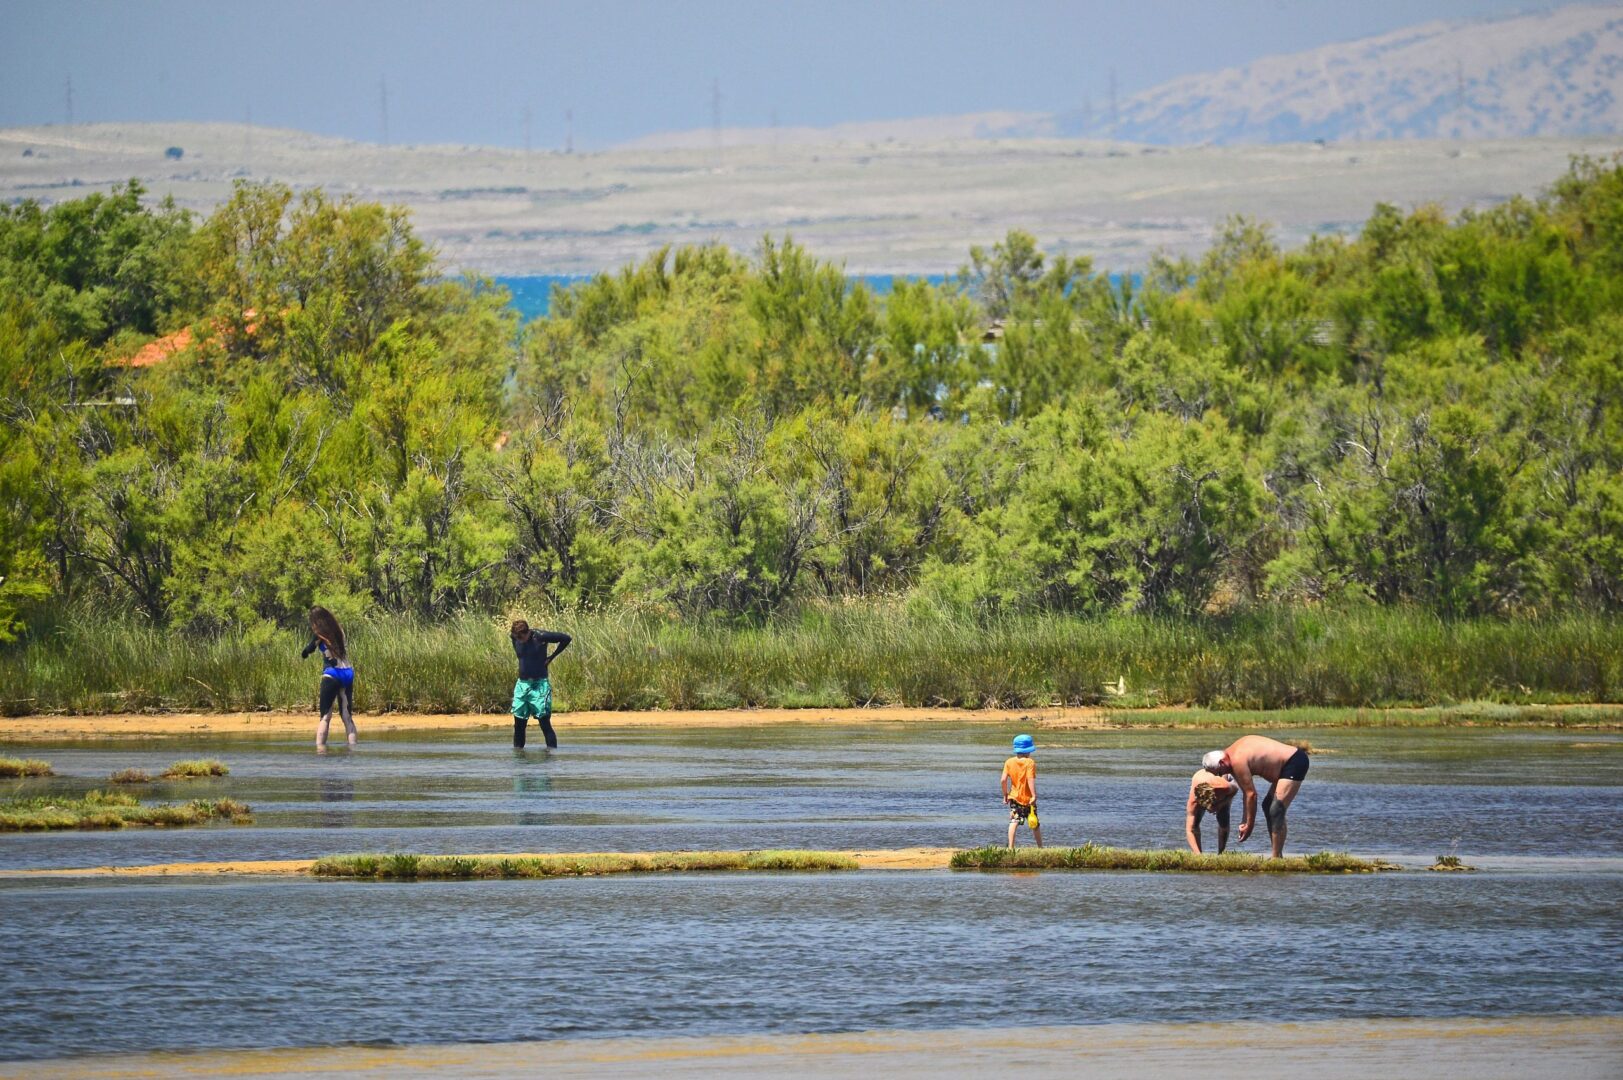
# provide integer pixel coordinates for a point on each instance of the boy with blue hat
(1019, 782)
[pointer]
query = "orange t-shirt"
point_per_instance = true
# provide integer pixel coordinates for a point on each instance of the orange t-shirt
(1022, 774)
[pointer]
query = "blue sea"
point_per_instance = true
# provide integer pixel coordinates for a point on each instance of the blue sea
(532, 293)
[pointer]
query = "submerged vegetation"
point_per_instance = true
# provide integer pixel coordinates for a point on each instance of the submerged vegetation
(191, 770)
(407, 867)
(1092, 857)
(15, 767)
(112, 810)
(1378, 469)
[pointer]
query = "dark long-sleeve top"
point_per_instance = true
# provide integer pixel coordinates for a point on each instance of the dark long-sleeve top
(532, 654)
(327, 654)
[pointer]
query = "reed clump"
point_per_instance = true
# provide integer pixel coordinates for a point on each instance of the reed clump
(11, 767)
(1095, 857)
(195, 769)
(1449, 864)
(113, 810)
(130, 776)
(881, 652)
(408, 867)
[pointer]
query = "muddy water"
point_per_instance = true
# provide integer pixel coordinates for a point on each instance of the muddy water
(194, 964)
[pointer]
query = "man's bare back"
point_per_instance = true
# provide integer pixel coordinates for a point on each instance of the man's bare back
(1259, 755)
(1284, 767)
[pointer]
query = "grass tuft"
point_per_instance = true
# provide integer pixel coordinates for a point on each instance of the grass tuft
(1449, 863)
(112, 810)
(12, 767)
(191, 770)
(1095, 857)
(130, 776)
(402, 867)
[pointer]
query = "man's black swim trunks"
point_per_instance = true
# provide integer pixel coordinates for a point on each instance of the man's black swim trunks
(1296, 767)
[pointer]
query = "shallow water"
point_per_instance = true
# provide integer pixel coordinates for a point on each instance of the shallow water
(1408, 795)
(195, 963)
(280, 963)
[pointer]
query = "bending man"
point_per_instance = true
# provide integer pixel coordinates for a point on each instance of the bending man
(1284, 767)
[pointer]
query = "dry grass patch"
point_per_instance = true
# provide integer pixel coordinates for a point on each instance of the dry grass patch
(130, 776)
(13, 767)
(1094, 857)
(407, 867)
(112, 810)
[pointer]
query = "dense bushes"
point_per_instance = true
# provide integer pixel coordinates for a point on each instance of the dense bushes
(1427, 414)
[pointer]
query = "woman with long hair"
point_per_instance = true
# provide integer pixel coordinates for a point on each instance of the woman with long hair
(337, 676)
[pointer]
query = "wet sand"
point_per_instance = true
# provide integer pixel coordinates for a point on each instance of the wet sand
(923, 858)
(51, 728)
(1575, 1048)
(154, 725)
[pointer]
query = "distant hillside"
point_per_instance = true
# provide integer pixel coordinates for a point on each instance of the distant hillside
(1557, 73)
(909, 204)
(921, 129)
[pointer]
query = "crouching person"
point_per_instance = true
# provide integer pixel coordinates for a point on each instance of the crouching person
(1209, 793)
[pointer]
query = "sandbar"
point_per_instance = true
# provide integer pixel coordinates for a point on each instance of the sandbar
(1574, 1048)
(1054, 718)
(157, 725)
(919, 858)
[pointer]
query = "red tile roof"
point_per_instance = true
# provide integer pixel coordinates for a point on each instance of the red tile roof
(154, 352)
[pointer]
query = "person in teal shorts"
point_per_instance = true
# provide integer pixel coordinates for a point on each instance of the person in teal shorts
(532, 693)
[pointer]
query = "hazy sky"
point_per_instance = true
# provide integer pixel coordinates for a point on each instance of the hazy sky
(465, 72)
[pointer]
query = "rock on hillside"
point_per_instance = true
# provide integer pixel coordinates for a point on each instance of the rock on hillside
(1555, 73)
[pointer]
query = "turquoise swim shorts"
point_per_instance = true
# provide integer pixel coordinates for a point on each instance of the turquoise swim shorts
(532, 697)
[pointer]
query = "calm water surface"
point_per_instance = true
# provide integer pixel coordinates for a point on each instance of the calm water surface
(195, 963)
(1405, 795)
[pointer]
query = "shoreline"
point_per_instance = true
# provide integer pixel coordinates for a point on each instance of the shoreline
(1577, 1048)
(917, 858)
(50, 727)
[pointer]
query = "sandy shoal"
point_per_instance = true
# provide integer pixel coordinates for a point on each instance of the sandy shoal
(1574, 1048)
(920, 858)
(153, 725)
(51, 728)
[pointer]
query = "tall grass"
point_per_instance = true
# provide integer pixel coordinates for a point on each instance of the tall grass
(407, 867)
(1092, 857)
(842, 655)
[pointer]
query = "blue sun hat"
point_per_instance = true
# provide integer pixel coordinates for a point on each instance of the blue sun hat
(1024, 744)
